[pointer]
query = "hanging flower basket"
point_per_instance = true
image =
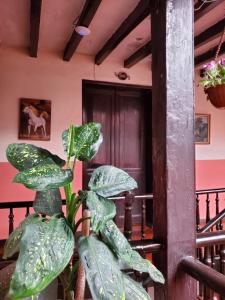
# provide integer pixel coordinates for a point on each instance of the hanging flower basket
(216, 95)
(214, 82)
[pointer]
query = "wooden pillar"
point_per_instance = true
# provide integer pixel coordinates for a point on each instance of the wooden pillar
(173, 143)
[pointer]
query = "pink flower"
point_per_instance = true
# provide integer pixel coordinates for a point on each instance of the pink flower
(210, 65)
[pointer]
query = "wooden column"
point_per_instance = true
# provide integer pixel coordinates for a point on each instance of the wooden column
(173, 143)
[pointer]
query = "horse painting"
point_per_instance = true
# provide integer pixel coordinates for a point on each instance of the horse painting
(35, 119)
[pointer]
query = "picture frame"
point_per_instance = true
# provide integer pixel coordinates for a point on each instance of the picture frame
(202, 129)
(34, 119)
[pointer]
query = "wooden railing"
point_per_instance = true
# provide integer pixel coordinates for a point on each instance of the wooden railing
(208, 268)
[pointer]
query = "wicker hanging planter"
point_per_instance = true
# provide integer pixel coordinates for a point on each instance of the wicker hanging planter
(216, 95)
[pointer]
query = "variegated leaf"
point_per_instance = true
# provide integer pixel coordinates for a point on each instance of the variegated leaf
(109, 181)
(121, 247)
(25, 156)
(102, 210)
(48, 202)
(12, 244)
(134, 290)
(86, 140)
(45, 250)
(44, 177)
(102, 271)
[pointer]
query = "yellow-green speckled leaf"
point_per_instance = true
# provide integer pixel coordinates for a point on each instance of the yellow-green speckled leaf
(109, 181)
(102, 210)
(134, 289)
(45, 250)
(25, 156)
(12, 244)
(121, 247)
(102, 271)
(82, 141)
(44, 177)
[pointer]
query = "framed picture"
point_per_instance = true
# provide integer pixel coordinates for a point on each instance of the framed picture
(34, 119)
(202, 129)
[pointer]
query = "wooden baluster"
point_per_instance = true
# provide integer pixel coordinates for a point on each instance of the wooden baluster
(27, 211)
(207, 208)
(208, 293)
(197, 214)
(199, 250)
(11, 220)
(222, 263)
(217, 210)
(129, 198)
(216, 258)
(143, 218)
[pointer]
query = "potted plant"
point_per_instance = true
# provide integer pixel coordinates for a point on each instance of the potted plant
(214, 82)
(47, 240)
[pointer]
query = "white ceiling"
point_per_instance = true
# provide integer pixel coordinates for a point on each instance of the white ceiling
(58, 17)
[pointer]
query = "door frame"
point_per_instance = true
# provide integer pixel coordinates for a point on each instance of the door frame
(86, 82)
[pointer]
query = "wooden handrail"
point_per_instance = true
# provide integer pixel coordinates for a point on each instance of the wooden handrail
(206, 239)
(213, 221)
(19, 204)
(210, 191)
(204, 274)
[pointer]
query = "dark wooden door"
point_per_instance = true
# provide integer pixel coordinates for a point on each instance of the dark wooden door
(123, 113)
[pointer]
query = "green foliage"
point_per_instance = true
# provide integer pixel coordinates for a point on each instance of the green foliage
(214, 74)
(26, 156)
(46, 244)
(103, 274)
(45, 250)
(44, 177)
(102, 210)
(82, 141)
(133, 290)
(48, 202)
(12, 244)
(122, 249)
(108, 181)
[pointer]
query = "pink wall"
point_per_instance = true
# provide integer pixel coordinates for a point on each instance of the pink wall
(210, 174)
(47, 77)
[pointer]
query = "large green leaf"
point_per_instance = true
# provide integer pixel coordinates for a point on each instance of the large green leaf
(12, 244)
(44, 177)
(48, 202)
(121, 247)
(108, 181)
(86, 140)
(134, 290)
(25, 156)
(102, 210)
(45, 250)
(103, 274)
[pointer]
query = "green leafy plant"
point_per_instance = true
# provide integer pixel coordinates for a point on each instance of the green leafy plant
(214, 74)
(46, 240)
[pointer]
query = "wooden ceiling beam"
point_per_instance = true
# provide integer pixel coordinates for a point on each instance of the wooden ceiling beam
(35, 18)
(141, 11)
(208, 55)
(88, 13)
(137, 56)
(206, 8)
(209, 34)
(204, 37)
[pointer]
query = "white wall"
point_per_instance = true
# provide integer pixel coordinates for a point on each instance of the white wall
(49, 77)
